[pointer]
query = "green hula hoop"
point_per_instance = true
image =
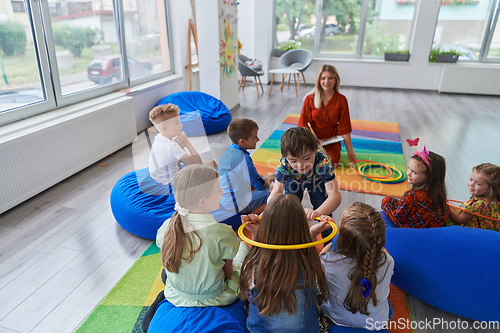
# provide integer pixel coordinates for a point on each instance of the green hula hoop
(400, 178)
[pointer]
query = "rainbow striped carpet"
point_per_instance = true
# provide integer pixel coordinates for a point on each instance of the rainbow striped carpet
(372, 140)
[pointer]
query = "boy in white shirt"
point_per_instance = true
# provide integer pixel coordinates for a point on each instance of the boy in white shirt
(169, 146)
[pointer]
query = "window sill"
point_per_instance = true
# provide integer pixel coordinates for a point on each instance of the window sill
(52, 118)
(153, 84)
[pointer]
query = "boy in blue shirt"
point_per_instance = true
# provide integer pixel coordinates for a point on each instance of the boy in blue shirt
(245, 191)
(306, 165)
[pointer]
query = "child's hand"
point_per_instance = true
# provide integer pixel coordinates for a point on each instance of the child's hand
(269, 179)
(252, 222)
(181, 139)
(311, 214)
(250, 219)
(321, 226)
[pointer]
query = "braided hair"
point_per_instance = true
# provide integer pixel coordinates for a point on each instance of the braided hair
(492, 174)
(362, 238)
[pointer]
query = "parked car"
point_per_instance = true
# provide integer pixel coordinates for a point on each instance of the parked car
(108, 68)
(302, 27)
(330, 30)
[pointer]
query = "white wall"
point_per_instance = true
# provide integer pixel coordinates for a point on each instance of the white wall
(146, 99)
(418, 73)
(210, 16)
(255, 26)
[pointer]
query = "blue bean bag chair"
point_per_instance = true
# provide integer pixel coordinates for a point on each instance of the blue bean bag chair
(455, 269)
(212, 116)
(140, 205)
(171, 319)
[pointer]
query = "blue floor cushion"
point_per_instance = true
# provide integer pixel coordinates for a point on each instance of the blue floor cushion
(212, 116)
(140, 205)
(455, 269)
(171, 319)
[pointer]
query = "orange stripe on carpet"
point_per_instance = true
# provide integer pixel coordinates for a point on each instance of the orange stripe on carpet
(375, 126)
(399, 303)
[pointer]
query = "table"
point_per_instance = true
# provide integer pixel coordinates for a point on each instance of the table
(284, 72)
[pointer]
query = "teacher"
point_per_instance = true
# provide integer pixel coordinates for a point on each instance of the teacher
(328, 113)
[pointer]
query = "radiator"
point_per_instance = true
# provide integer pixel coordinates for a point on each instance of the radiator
(474, 78)
(48, 153)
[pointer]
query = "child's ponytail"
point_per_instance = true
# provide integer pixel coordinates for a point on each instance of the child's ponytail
(191, 184)
(362, 237)
(174, 243)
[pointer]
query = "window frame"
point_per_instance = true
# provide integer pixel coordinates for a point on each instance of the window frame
(38, 15)
(361, 34)
(492, 22)
(489, 32)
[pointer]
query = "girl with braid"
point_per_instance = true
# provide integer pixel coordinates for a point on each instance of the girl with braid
(358, 270)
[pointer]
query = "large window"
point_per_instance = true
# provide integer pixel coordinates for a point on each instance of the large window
(55, 53)
(347, 28)
(468, 27)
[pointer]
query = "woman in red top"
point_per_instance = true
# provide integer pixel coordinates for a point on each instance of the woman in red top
(328, 113)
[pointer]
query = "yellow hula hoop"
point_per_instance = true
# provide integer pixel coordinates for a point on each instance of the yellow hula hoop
(399, 172)
(287, 247)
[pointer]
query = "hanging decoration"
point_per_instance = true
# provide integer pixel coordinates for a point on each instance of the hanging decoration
(228, 50)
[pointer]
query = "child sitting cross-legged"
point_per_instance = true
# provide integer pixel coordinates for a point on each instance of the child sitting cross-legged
(306, 165)
(484, 187)
(358, 271)
(424, 206)
(202, 258)
(284, 287)
(169, 146)
(245, 191)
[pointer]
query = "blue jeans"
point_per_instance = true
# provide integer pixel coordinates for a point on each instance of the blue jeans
(391, 311)
(259, 198)
(317, 194)
(304, 320)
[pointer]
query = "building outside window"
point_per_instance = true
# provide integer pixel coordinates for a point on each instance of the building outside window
(465, 26)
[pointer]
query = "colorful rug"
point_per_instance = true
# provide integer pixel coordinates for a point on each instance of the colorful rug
(372, 140)
(123, 308)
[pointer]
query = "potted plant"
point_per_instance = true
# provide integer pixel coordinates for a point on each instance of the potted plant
(398, 55)
(438, 55)
(290, 45)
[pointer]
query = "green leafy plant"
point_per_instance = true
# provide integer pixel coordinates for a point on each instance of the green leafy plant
(75, 38)
(90, 37)
(398, 51)
(435, 52)
(12, 38)
(290, 45)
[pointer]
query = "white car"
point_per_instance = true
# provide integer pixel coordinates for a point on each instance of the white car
(330, 30)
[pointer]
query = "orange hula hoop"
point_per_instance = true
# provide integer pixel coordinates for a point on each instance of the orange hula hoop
(468, 211)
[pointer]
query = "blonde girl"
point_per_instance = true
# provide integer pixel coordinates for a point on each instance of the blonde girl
(202, 257)
(283, 286)
(357, 269)
(484, 187)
